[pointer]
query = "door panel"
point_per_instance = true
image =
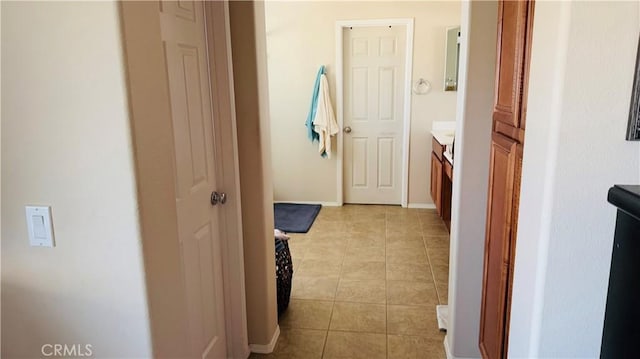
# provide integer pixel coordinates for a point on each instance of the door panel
(359, 93)
(387, 79)
(515, 209)
(360, 161)
(436, 182)
(183, 35)
(510, 69)
(386, 162)
(373, 67)
(497, 259)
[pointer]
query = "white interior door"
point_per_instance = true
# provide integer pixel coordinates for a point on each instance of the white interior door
(183, 35)
(374, 60)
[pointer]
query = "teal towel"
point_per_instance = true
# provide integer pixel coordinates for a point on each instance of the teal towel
(311, 133)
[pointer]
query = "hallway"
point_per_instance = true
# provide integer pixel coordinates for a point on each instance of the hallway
(366, 283)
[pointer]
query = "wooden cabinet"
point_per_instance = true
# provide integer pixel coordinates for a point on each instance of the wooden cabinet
(515, 20)
(436, 182)
(441, 181)
(512, 27)
(447, 192)
(447, 167)
(497, 257)
(437, 156)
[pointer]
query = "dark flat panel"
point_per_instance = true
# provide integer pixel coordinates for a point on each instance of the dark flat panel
(621, 333)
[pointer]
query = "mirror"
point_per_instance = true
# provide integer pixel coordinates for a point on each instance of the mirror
(633, 129)
(452, 56)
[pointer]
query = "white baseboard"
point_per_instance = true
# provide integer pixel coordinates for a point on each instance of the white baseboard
(447, 350)
(422, 205)
(337, 204)
(266, 348)
(246, 352)
(324, 204)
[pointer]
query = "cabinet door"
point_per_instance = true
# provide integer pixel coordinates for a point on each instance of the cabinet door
(512, 27)
(436, 182)
(515, 23)
(497, 258)
(447, 191)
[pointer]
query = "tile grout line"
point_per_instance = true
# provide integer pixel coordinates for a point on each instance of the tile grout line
(326, 337)
(386, 300)
(333, 303)
(426, 249)
(433, 278)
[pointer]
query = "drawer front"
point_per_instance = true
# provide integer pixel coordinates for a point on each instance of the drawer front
(448, 169)
(438, 149)
(436, 183)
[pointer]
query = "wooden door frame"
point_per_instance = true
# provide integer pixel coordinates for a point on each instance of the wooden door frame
(219, 54)
(408, 72)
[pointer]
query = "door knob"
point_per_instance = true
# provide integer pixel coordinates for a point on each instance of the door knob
(347, 129)
(215, 198)
(218, 198)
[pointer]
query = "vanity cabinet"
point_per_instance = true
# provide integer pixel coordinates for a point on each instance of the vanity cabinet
(437, 156)
(436, 182)
(447, 191)
(441, 180)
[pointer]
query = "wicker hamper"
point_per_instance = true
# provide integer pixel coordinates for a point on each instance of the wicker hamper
(284, 274)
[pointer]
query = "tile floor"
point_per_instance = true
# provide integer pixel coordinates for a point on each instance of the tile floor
(366, 283)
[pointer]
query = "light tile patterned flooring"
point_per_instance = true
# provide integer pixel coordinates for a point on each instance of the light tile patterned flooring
(366, 283)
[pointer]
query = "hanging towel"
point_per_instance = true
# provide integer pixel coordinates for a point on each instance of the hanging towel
(324, 122)
(311, 133)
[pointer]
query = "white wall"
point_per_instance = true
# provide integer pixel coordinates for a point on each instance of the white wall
(66, 143)
(470, 184)
(300, 38)
(252, 116)
(580, 84)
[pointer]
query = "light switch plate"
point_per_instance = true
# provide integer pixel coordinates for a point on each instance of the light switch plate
(40, 226)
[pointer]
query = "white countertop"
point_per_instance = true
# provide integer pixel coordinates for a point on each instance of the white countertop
(443, 131)
(447, 155)
(444, 137)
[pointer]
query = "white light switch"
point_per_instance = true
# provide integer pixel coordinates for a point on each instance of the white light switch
(40, 226)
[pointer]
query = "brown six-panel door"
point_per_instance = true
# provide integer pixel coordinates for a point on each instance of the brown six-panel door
(515, 20)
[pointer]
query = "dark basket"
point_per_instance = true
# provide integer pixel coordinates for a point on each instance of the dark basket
(284, 274)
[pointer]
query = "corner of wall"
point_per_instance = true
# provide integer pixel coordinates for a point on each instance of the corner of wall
(565, 226)
(473, 135)
(551, 26)
(252, 117)
(66, 142)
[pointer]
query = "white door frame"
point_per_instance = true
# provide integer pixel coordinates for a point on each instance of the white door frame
(152, 137)
(228, 176)
(408, 70)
